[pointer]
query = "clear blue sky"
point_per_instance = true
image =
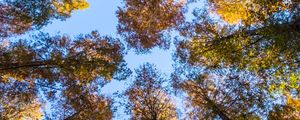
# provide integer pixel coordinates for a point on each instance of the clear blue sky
(101, 16)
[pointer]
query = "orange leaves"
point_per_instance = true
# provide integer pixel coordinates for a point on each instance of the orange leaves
(145, 24)
(31, 111)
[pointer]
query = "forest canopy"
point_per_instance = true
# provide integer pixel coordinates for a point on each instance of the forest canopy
(232, 60)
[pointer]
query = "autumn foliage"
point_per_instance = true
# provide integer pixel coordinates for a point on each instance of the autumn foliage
(233, 60)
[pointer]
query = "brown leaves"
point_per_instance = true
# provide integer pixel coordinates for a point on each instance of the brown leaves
(13, 21)
(145, 24)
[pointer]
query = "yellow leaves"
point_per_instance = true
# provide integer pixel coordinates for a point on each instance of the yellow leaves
(232, 11)
(294, 79)
(272, 88)
(31, 111)
(81, 5)
(236, 11)
(287, 82)
(68, 6)
(6, 77)
(282, 86)
(293, 101)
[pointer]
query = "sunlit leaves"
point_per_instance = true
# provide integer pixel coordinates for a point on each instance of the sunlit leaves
(232, 11)
(68, 6)
(146, 23)
(19, 101)
(248, 11)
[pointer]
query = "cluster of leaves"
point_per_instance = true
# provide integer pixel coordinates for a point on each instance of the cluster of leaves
(289, 111)
(248, 11)
(145, 23)
(19, 101)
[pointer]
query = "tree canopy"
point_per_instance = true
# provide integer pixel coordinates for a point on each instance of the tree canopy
(232, 60)
(146, 23)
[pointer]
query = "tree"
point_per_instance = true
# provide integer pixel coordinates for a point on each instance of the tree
(225, 94)
(20, 16)
(148, 99)
(145, 23)
(264, 43)
(53, 58)
(75, 101)
(74, 69)
(268, 48)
